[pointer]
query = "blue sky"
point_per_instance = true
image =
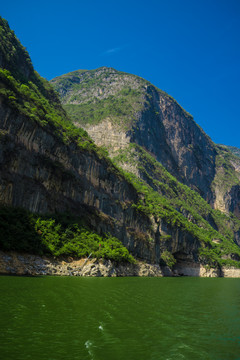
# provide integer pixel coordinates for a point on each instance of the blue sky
(188, 48)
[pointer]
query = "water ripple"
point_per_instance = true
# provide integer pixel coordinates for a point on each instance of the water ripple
(120, 319)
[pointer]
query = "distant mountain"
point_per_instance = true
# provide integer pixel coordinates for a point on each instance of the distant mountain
(234, 150)
(154, 196)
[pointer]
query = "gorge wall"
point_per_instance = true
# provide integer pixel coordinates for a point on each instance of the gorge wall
(42, 174)
(156, 122)
(49, 166)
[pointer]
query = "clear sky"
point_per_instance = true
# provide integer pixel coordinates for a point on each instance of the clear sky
(188, 48)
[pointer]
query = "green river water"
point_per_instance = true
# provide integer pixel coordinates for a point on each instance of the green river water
(53, 318)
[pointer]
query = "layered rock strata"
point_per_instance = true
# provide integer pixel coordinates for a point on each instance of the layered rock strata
(42, 174)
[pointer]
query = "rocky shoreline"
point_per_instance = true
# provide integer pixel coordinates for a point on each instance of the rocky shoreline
(199, 270)
(12, 263)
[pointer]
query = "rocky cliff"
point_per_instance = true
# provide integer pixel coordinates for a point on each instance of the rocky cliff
(118, 109)
(47, 165)
(40, 173)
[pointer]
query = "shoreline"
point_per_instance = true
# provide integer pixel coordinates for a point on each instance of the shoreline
(22, 264)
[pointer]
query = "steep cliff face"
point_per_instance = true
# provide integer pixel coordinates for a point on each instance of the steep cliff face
(226, 181)
(155, 122)
(47, 165)
(40, 173)
(142, 114)
(172, 136)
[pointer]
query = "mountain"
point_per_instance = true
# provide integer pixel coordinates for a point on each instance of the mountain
(119, 110)
(60, 192)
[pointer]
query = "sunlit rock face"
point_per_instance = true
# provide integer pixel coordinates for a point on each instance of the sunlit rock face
(42, 174)
(49, 166)
(138, 112)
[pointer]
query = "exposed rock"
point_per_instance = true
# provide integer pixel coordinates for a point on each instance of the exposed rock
(26, 264)
(31, 265)
(109, 135)
(230, 272)
(42, 174)
(160, 125)
(195, 269)
(48, 166)
(156, 122)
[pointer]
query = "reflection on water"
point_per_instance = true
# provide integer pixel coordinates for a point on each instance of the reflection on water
(57, 318)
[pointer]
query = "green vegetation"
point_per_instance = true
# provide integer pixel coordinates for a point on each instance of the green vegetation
(90, 96)
(234, 150)
(86, 97)
(168, 258)
(120, 108)
(65, 82)
(27, 93)
(27, 99)
(153, 204)
(163, 196)
(180, 196)
(226, 176)
(82, 85)
(14, 56)
(160, 195)
(59, 235)
(15, 59)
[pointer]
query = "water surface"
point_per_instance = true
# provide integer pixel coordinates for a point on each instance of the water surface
(55, 318)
